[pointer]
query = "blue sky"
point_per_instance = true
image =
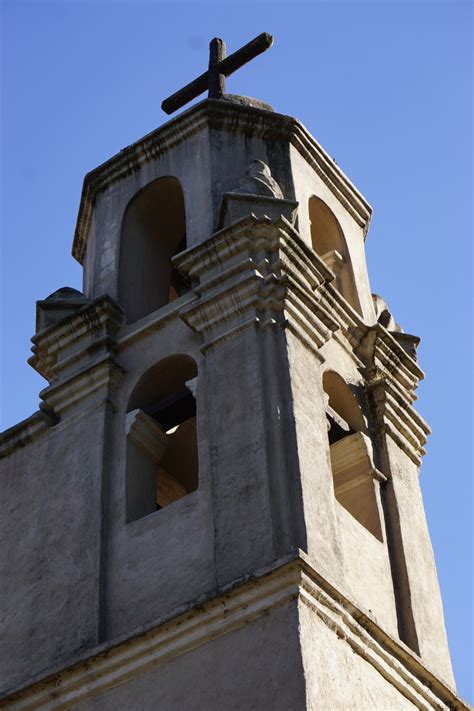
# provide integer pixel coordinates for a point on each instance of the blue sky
(385, 87)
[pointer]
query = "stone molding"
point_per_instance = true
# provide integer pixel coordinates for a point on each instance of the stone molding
(100, 380)
(221, 612)
(256, 272)
(24, 432)
(147, 434)
(237, 205)
(213, 114)
(397, 418)
(64, 348)
(151, 323)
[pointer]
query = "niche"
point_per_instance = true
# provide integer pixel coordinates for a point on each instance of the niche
(328, 241)
(153, 231)
(162, 450)
(350, 449)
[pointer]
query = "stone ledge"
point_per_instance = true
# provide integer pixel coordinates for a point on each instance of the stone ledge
(221, 611)
(23, 433)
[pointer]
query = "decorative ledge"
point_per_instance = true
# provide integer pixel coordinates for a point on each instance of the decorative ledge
(219, 613)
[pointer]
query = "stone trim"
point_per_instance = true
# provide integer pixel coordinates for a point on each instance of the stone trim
(152, 322)
(256, 271)
(101, 378)
(61, 349)
(221, 612)
(23, 433)
(215, 115)
(147, 434)
(396, 417)
(382, 353)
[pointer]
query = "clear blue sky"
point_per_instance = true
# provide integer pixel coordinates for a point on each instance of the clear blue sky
(385, 87)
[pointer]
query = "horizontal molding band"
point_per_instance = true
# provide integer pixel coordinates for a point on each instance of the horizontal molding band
(289, 579)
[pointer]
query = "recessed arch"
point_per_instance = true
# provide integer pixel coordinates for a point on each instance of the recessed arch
(162, 448)
(351, 454)
(153, 231)
(329, 242)
(343, 402)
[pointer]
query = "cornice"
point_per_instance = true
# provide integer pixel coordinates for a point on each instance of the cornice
(382, 354)
(63, 348)
(396, 417)
(256, 271)
(23, 433)
(213, 114)
(101, 379)
(219, 612)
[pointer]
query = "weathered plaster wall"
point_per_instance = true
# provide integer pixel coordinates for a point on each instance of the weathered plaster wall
(367, 574)
(208, 164)
(257, 666)
(189, 162)
(166, 558)
(308, 183)
(79, 574)
(338, 678)
(425, 599)
(323, 541)
(50, 533)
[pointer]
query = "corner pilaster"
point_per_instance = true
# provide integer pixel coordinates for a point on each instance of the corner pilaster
(400, 436)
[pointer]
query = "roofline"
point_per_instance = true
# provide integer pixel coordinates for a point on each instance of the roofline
(215, 113)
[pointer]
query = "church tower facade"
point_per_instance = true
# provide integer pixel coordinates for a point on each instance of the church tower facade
(217, 505)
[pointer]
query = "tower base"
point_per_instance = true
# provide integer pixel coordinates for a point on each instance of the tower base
(282, 639)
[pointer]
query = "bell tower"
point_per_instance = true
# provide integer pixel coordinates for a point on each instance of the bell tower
(224, 468)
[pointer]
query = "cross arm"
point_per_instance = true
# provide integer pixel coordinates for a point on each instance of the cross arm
(226, 67)
(243, 55)
(187, 93)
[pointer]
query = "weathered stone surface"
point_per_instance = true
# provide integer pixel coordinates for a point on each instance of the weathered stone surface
(294, 642)
(187, 604)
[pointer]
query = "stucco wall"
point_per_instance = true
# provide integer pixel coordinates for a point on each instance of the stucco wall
(50, 532)
(339, 679)
(257, 666)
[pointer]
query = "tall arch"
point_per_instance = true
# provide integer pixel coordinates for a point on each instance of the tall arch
(153, 231)
(351, 454)
(162, 448)
(342, 404)
(328, 241)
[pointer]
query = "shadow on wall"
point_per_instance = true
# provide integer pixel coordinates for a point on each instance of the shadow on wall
(329, 243)
(153, 231)
(351, 454)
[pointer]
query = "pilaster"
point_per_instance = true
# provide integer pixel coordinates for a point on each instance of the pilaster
(400, 434)
(255, 279)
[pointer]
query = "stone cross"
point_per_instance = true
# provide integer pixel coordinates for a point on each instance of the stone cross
(220, 67)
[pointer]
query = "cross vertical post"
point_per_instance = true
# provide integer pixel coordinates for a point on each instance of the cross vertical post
(220, 67)
(217, 52)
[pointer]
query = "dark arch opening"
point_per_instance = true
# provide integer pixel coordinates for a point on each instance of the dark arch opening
(328, 241)
(343, 411)
(351, 454)
(153, 231)
(162, 449)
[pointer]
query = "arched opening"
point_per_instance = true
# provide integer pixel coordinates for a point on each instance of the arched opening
(343, 412)
(350, 449)
(162, 450)
(328, 241)
(153, 231)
